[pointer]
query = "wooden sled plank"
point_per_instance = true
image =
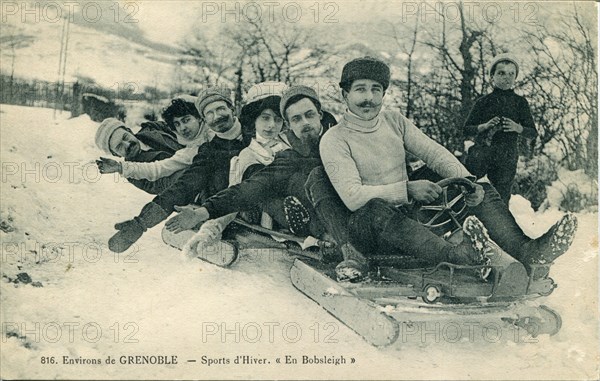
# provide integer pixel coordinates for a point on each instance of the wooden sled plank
(362, 316)
(221, 253)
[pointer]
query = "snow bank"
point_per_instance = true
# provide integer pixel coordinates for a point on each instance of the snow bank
(575, 187)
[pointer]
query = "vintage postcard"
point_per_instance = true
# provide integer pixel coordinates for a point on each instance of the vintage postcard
(295, 190)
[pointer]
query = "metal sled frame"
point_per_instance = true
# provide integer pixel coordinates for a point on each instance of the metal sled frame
(379, 309)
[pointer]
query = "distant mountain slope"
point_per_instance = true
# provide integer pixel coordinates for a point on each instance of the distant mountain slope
(117, 59)
(111, 18)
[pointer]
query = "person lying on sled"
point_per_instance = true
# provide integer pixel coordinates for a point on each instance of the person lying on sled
(208, 174)
(260, 119)
(183, 119)
(284, 178)
(365, 159)
(155, 141)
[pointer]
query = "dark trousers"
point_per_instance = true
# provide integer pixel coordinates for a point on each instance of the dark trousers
(502, 171)
(184, 190)
(498, 162)
(328, 206)
(379, 228)
(500, 223)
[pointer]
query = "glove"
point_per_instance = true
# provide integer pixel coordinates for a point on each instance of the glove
(130, 231)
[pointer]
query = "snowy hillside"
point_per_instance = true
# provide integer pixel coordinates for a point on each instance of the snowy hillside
(64, 293)
(111, 60)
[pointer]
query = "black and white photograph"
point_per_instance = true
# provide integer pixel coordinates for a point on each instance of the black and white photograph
(299, 190)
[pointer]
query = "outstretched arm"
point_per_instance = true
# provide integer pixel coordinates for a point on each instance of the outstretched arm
(265, 184)
(156, 169)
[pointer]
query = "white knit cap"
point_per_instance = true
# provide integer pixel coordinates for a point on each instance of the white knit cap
(104, 132)
(505, 57)
(263, 90)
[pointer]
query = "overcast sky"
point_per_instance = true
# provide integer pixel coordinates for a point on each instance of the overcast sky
(169, 21)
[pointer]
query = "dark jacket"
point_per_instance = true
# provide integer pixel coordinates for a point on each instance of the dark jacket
(283, 177)
(504, 103)
(159, 136)
(208, 174)
(163, 144)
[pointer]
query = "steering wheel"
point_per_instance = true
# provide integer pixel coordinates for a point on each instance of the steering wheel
(445, 214)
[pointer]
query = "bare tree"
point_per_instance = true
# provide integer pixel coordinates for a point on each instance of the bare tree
(563, 88)
(408, 48)
(441, 99)
(252, 51)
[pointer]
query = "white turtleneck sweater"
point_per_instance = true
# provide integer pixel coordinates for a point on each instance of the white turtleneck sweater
(366, 159)
(181, 159)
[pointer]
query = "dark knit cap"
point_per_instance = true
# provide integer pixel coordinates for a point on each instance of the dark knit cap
(365, 68)
(293, 91)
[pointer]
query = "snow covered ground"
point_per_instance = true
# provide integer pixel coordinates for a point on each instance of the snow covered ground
(79, 300)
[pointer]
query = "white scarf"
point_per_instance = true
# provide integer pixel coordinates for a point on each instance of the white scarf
(255, 153)
(233, 133)
(204, 135)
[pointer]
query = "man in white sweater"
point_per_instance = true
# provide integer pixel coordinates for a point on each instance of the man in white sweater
(365, 159)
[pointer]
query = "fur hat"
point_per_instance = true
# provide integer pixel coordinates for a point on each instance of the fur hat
(292, 91)
(365, 68)
(211, 95)
(502, 58)
(105, 131)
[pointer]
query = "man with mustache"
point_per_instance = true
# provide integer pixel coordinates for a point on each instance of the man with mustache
(208, 174)
(154, 142)
(296, 172)
(365, 159)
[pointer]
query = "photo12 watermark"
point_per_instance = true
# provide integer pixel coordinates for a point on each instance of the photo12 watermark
(64, 252)
(269, 11)
(253, 332)
(469, 11)
(69, 332)
(52, 172)
(53, 11)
